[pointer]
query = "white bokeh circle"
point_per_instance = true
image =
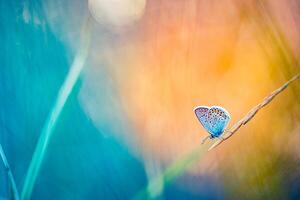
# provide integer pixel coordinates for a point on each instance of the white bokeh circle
(116, 13)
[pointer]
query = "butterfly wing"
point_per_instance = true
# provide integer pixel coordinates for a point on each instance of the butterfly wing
(202, 113)
(217, 118)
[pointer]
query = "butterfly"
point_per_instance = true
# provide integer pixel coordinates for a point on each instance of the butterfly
(214, 119)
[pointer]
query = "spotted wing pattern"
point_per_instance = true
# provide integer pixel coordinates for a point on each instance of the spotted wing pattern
(202, 114)
(214, 119)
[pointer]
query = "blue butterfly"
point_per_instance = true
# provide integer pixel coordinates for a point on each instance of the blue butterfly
(214, 119)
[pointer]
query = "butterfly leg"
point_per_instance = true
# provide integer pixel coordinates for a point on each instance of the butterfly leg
(228, 131)
(221, 138)
(205, 139)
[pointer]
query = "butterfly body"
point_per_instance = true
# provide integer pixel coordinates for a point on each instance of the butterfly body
(214, 119)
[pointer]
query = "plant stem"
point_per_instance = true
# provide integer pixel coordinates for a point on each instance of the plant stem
(180, 165)
(13, 187)
(50, 124)
(253, 112)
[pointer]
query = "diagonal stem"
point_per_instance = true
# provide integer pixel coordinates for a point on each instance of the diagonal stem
(13, 186)
(50, 124)
(180, 165)
(254, 111)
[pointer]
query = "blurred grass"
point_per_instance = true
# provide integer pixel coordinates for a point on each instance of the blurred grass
(13, 191)
(156, 186)
(54, 114)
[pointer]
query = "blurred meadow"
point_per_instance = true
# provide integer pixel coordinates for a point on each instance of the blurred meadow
(97, 98)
